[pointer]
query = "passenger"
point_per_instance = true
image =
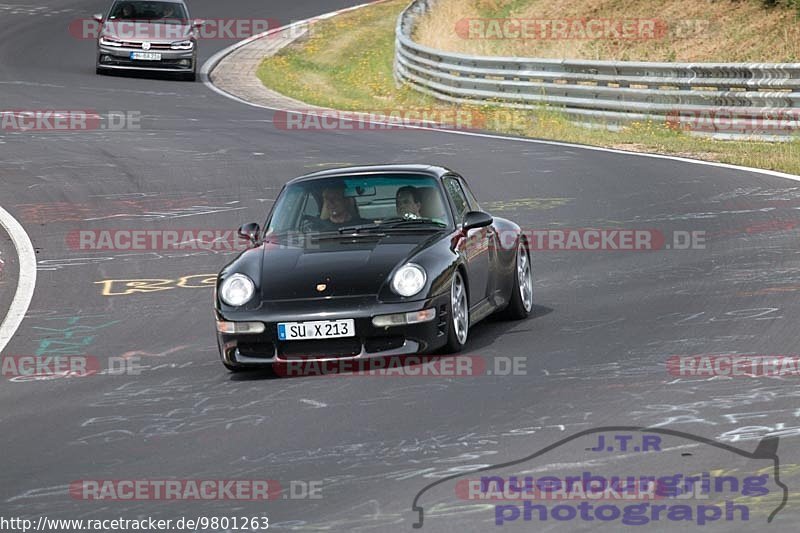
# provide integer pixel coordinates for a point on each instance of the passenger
(408, 201)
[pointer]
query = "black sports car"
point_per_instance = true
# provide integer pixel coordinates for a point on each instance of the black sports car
(366, 262)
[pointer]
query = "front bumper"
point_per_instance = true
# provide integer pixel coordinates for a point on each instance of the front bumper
(171, 60)
(264, 349)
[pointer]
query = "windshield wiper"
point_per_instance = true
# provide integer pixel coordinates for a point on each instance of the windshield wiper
(359, 228)
(398, 223)
(391, 223)
(341, 233)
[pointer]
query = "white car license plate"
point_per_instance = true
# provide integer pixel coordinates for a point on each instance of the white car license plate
(323, 329)
(146, 56)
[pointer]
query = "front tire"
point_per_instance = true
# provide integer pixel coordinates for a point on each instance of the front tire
(522, 290)
(458, 329)
(232, 368)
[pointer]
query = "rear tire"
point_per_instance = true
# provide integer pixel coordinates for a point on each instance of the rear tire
(522, 290)
(458, 316)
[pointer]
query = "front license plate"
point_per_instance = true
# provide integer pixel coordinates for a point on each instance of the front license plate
(146, 56)
(324, 329)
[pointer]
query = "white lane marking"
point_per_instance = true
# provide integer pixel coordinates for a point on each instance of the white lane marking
(43, 492)
(314, 403)
(27, 277)
(212, 62)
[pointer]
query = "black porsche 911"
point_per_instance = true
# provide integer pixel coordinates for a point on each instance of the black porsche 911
(366, 262)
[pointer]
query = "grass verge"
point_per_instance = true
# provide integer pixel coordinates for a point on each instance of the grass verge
(347, 64)
(658, 30)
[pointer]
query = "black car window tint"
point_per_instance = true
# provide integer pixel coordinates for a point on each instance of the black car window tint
(312, 207)
(473, 203)
(457, 196)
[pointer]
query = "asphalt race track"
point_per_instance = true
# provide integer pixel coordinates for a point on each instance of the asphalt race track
(595, 352)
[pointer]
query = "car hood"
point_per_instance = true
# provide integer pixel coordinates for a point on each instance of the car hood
(136, 30)
(347, 266)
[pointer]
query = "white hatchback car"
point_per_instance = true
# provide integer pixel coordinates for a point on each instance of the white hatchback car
(153, 36)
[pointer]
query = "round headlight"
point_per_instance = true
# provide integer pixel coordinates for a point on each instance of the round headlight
(408, 280)
(237, 290)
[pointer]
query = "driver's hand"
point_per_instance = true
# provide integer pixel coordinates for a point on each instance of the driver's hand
(308, 225)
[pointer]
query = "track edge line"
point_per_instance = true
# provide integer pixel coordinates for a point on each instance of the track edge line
(26, 284)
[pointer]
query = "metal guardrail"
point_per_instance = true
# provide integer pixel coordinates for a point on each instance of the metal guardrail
(723, 100)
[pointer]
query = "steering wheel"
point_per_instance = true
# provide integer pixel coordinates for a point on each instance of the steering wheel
(309, 224)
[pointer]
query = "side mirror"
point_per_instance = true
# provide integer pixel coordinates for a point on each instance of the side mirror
(198, 23)
(476, 219)
(250, 232)
(98, 17)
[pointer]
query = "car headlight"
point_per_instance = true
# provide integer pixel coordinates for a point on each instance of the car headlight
(105, 40)
(409, 280)
(182, 45)
(237, 290)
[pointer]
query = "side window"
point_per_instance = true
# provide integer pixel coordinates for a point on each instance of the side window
(473, 203)
(312, 207)
(285, 210)
(457, 196)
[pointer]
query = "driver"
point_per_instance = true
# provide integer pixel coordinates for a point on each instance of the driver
(337, 209)
(125, 12)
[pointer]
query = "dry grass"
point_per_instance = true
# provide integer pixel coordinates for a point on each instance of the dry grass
(693, 30)
(347, 64)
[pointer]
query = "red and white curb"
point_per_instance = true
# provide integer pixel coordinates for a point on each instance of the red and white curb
(213, 61)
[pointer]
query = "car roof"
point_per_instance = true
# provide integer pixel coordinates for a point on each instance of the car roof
(426, 170)
(183, 2)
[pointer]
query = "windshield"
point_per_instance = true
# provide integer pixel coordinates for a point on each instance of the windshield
(360, 203)
(154, 12)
